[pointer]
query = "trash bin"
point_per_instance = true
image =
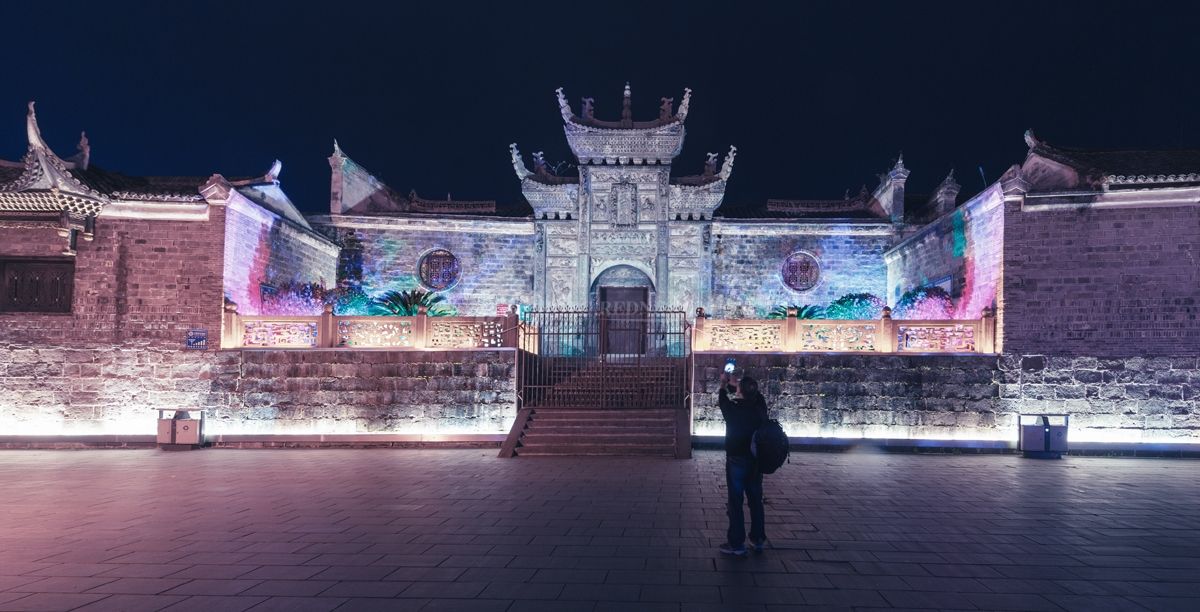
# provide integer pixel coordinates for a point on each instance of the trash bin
(1043, 436)
(181, 431)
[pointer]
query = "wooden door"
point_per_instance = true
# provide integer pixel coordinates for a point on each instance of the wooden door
(623, 312)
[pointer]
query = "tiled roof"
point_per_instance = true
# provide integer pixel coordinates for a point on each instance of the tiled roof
(1126, 163)
(120, 185)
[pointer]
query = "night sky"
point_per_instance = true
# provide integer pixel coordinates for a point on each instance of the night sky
(428, 95)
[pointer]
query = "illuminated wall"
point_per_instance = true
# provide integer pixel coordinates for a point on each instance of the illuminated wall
(979, 397)
(262, 249)
(748, 256)
(1103, 281)
(960, 252)
(495, 257)
(143, 281)
(114, 390)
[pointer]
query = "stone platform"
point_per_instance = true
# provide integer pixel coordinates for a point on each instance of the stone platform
(389, 529)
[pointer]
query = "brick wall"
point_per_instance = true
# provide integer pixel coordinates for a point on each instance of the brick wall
(263, 249)
(1102, 282)
(964, 397)
(144, 281)
(962, 250)
(51, 391)
(496, 264)
(746, 267)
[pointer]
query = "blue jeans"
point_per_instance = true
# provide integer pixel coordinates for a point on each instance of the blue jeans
(744, 480)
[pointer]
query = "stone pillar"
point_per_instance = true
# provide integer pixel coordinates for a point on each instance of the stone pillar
(662, 267)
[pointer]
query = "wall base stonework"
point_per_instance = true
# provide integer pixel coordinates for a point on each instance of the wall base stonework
(92, 392)
(963, 397)
(1109, 399)
(113, 390)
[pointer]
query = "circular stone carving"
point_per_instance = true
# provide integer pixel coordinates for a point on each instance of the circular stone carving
(801, 271)
(438, 270)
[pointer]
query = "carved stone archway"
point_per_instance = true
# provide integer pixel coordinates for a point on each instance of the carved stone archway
(621, 275)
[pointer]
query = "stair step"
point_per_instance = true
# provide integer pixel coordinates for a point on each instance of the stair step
(600, 429)
(595, 449)
(617, 440)
(658, 413)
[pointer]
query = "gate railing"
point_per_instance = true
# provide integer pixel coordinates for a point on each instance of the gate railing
(600, 359)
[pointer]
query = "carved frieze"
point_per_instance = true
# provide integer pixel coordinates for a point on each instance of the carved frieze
(465, 334)
(379, 332)
(683, 291)
(564, 247)
(550, 198)
(703, 199)
(936, 338)
(622, 204)
(838, 336)
(600, 264)
(591, 144)
(756, 336)
(562, 280)
(685, 246)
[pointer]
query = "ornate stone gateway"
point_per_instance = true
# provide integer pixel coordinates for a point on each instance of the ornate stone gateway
(623, 211)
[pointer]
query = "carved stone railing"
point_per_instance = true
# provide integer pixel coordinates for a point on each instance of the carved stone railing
(885, 335)
(329, 331)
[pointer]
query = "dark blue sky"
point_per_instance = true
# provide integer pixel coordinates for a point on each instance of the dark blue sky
(818, 99)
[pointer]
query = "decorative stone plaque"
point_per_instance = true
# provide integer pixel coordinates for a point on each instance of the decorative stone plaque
(801, 271)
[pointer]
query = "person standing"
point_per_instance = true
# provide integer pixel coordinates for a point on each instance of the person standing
(744, 411)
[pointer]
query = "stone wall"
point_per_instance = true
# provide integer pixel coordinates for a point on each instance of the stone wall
(496, 257)
(748, 258)
(873, 396)
(113, 390)
(1134, 398)
(1102, 282)
(261, 248)
(964, 397)
(139, 280)
(961, 252)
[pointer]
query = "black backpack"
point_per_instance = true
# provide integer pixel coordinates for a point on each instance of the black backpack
(769, 445)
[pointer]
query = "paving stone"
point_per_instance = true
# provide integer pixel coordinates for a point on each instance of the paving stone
(460, 530)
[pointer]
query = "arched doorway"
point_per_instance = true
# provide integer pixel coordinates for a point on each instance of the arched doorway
(623, 296)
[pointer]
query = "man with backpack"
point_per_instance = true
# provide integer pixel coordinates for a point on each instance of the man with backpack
(744, 411)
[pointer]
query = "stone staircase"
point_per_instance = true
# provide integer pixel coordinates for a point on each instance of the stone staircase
(635, 408)
(565, 431)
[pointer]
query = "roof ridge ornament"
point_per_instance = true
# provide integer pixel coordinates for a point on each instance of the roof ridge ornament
(272, 175)
(32, 132)
(336, 149)
(727, 167)
(682, 113)
(83, 158)
(564, 107)
(518, 163)
(627, 106)
(1031, 140)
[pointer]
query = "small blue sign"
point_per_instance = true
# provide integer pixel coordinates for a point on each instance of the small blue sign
(197, 340)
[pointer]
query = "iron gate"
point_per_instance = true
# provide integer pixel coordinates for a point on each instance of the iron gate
(612, 357)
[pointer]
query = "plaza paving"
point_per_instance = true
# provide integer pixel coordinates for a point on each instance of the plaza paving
(431, 530)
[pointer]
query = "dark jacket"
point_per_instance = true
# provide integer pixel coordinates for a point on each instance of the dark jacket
(742, 418)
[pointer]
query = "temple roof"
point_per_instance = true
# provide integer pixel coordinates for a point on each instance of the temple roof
(594, 141)
(43, 183)
(666, 112)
